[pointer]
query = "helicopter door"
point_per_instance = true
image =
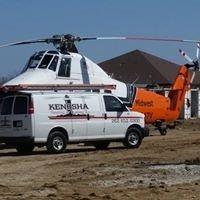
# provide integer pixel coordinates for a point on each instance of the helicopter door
(64, 68)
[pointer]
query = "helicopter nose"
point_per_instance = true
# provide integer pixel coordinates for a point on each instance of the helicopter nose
(32, 77)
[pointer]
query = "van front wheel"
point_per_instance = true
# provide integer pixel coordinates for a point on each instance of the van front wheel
(56, 142)
(133, 138)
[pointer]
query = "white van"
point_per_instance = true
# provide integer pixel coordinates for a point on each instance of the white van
(29, 119)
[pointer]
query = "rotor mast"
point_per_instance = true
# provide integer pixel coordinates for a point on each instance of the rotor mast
(65, 43)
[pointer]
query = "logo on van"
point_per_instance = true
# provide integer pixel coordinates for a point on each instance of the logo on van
(68, 106)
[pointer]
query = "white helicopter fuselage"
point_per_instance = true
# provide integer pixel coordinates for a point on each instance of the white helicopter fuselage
(52, 67)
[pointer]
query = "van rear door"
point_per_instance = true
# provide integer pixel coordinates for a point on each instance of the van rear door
(21, 117)
(6, 116)
(15, 121)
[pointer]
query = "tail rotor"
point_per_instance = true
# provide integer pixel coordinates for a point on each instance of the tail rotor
(194, 64)
(186, 56)
(191, 62)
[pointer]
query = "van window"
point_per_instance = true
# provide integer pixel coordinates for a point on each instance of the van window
(113, 104)
(64, 70)
(20, 105)
(7, 106)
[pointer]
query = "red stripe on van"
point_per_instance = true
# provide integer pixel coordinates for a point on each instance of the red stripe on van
(91, 117)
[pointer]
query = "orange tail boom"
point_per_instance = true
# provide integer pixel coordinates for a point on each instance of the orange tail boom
(157, 107)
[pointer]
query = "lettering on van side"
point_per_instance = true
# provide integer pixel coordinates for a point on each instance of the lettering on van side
(75, 106)
(126, 120)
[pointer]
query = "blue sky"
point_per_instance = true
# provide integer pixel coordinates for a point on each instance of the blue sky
(22, 19)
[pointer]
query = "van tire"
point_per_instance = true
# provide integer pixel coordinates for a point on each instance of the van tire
(24, 148)
(56, 142)
(101, 145)
(133, 138)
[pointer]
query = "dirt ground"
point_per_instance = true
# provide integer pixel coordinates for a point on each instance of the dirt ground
(164, 167)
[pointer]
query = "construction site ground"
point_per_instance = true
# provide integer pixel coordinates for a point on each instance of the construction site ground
(163, 167)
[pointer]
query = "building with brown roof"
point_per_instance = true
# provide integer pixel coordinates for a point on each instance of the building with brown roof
(143, 67)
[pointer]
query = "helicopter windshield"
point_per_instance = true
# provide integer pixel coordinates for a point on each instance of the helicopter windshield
(45, 61)
(53, 64)
(35, 59)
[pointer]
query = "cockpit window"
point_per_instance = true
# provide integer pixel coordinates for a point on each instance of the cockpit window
(45, 61)
(35, 59)
(53, 64)
(65, 67)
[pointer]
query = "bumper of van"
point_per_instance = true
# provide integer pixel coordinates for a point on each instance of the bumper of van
(145, 131)
(16, 140)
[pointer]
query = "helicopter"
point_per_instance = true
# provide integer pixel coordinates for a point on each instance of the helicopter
(66, 65)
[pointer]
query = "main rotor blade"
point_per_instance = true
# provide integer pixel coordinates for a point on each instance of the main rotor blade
(46, 40)
(69, 39)
(140, 38)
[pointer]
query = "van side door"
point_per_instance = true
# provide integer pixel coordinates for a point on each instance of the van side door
(79, 117)
(116, 117)
(95, 117)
